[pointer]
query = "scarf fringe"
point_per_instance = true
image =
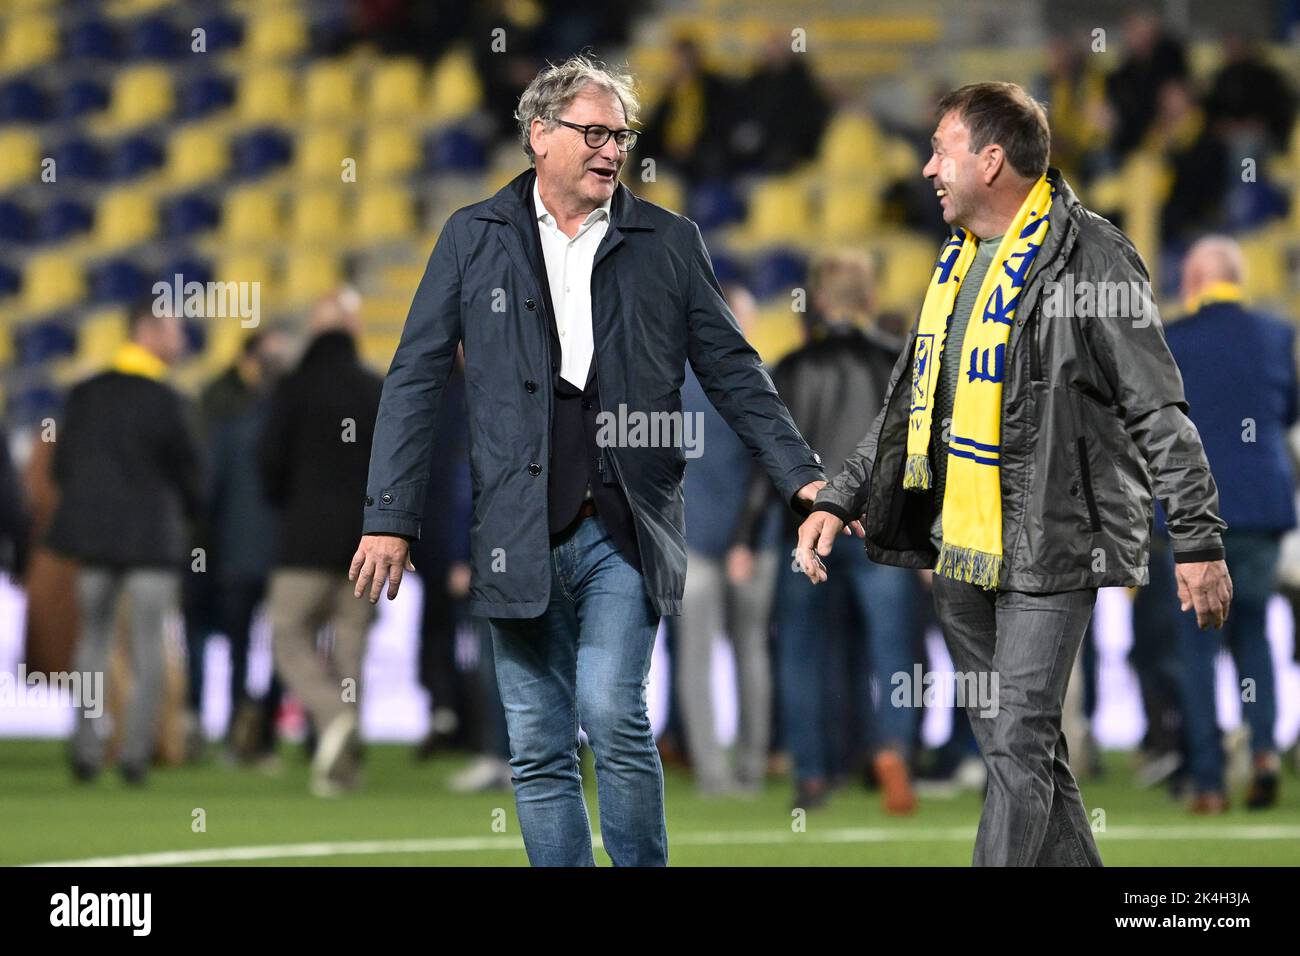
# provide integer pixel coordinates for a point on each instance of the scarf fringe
(966, 564)
(916, 473)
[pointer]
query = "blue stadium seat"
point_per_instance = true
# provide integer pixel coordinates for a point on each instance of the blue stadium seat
(10, 281)
(192, 268)
(153, 38)
(185, 215)
(35, 402)
(80, 158)
(90, 40)
(117, 281)
(222, 32)
(80, 97)
(39, 342)
(205, 94)
(196, 336)
(260, 151)
(135, 156)
(15, 224)
(728, 269)
(777, 272)
(63, 218)
(713, 203)
(455, 151)
(22, 101)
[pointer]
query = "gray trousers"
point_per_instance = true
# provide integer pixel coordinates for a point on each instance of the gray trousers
(1033, 813)
(302, 601)
(712, 605)
(153, 593)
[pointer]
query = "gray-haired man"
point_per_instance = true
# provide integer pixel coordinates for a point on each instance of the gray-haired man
(572, 297)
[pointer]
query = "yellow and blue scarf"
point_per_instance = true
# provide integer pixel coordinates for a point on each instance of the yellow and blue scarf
(972, 501)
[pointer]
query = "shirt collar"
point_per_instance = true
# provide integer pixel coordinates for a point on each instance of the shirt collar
(544, 215)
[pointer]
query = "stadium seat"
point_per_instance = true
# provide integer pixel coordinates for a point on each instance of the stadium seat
(394, 90)
(251, 214)
(91, 39)
(221, 32)
(15, 223)
(455, 90)
(39, 342)
(190, 268)
(134, 156)
(778, 210)
(63, 219)
(850, 210)
(183, 216)
(275, 34)
(34, 402)
(196, 154)
(318, 216)
(258, 152)
(99, 336)
(153, 38)
(20, 157)
(389, 151)
(713, 203)
(320, 154)
(79, 159)
(51, 282)
(22, 101)
(205, 94)
(455, 151)
(11, 281)
(384, 214)
(309, 275)
(777, 273)
(848, 140)
(80, 97)
(118, 281)
(329, 91)
(141, 95)
(29, 40)
(266, 96)
(124, 217)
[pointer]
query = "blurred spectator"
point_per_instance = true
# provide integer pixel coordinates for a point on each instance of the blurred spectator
(689, 129)
(14, 525)
(1074, 93)
(127, 467)
(726, 593)
(314, 454)
(1151, 58)
(1250, 92)
(785, 112)
(241, 531)
(1197, 160)
(833, 386)
(1239, 373)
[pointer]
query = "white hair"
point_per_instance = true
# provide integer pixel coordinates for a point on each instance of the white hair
(553, 89)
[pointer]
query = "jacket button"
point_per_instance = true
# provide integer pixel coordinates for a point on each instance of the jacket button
(369, 501)
(586, 403)
(534, 469)
(1074, 491)
(530, 386)
(386, 499)
(530, 304)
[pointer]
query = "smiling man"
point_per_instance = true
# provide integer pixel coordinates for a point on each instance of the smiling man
(571, 296)
(1017, 452)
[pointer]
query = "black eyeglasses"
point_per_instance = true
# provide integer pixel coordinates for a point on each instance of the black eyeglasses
(598, 136)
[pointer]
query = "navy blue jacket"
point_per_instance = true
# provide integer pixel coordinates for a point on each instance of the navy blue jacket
(1238, 364)
(656, 305)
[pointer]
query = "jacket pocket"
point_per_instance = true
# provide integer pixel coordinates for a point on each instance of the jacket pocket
(1085, 482)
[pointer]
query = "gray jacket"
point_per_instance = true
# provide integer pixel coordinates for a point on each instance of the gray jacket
(1093, 423)
(655, 306)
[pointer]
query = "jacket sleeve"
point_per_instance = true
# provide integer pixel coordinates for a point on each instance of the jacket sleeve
(1141, 376)
(846, 494)
(736, 383)
(408, 407)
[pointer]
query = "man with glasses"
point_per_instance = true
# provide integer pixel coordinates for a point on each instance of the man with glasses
(579, 306)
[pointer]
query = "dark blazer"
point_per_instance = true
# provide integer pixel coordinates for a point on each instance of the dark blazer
(310, 473)
(655, 305)
(127, 466)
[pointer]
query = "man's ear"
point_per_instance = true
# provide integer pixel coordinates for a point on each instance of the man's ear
(993, 160)
(537, 138)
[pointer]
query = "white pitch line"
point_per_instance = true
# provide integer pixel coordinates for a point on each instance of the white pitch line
(716, 838)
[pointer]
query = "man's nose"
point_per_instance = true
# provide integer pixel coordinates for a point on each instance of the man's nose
(610, 151)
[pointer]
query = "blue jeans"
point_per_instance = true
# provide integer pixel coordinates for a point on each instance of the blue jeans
(586, 660)
(811, 620)
(1252, 562)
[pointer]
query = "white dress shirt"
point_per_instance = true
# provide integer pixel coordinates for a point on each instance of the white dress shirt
(568, 270)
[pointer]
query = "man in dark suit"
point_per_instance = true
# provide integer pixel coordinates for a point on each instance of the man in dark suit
(579, 306)
(127, 467)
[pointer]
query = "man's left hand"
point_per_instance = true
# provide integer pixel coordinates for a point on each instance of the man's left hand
(1206, 586)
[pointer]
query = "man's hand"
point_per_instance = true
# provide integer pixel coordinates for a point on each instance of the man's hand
(816, 536)
(740, 564)
(1206, 586)
(380, 558)
(808, 493)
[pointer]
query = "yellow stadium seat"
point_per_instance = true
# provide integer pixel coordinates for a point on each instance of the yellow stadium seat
(29, 41)
(51, 281)
(266, 96)
(20, 157)
(850, 145)
(849, 210)
(666, 191)
(330, 91)
(778, 211)
(276, 34)
(318, 216)
(384, 214)
(455, 88)
(141, 94)
(320, 154)
(394, 90)
(1266, 269)
(125, 217)
(99, 335)
(378, 348)
(251, 214)
(196, 154)
(309, 275)
(389, 151)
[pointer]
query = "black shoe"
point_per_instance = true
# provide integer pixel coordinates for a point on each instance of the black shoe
(1263, 792)
(84, 772)
(133, 775)
(810, 795)
(434, 742)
